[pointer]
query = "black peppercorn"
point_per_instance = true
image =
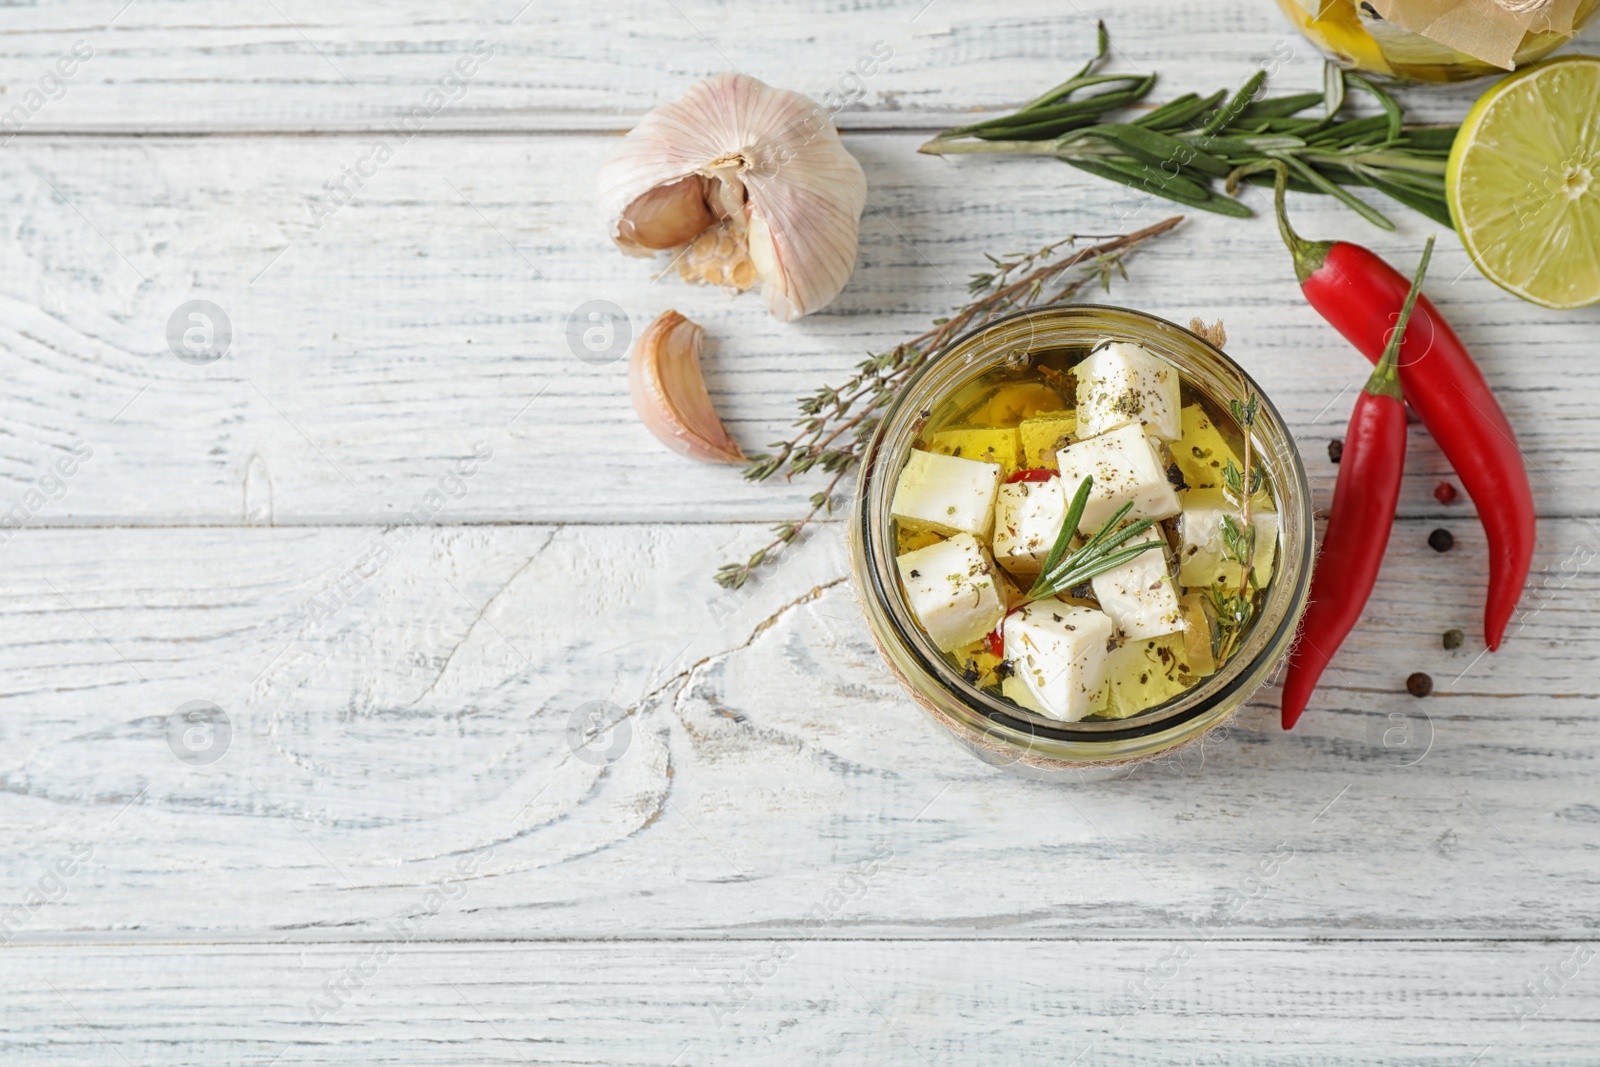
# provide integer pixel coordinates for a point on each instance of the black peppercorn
(1175, 476)
(1082, 592)
(1441, 540)
(1419, 685)
(1453, 638)
(1336, 449)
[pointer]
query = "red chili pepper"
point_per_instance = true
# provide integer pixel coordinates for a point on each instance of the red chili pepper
(997, 645)
(1358, 293)
(1359, 520)
(1033, 474)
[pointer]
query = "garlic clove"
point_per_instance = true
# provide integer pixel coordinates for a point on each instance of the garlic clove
(744, 183)
(669, 391)
(668, 216)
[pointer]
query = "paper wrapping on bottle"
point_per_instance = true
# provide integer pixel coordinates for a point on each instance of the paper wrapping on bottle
(1488, 30)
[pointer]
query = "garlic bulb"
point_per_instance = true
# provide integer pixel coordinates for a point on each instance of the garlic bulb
(669, 392)
(743, 182)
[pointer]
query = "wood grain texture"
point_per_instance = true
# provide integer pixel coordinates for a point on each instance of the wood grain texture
(294, 65)
(372, 351)
(807, 1001)
(767, 750)
(407, 542)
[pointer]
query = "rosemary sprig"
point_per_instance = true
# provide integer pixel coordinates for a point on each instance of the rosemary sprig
(1180, 149)
(1103, 552)
(837, 421)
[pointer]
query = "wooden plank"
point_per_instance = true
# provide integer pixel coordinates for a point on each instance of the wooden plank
(293, 65)
(770, 855)
(806, 1001)
(373, 351)
(398, 701)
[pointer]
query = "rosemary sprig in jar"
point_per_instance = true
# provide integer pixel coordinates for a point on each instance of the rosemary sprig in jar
(1182, 148)
(837, 421)
(1105, 550)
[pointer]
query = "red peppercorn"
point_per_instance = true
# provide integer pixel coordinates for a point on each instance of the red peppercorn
(1445, 493)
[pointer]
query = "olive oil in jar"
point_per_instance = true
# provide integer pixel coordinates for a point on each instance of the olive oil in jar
(1017, 419)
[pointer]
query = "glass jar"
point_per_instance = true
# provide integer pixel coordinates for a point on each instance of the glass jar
(1359, 40)
(993, 729)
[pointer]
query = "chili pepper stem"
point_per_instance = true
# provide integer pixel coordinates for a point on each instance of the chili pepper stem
(1385, 379)
(1309, 256)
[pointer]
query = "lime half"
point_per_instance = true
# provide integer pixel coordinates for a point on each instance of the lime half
(1523, 182)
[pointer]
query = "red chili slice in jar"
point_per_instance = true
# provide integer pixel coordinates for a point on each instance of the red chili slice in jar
(997, 647)
(1033, 474)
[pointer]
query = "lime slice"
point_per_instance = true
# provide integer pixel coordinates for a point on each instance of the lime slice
(1523, 182)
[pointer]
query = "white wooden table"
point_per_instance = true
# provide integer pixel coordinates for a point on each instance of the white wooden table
(399, 857)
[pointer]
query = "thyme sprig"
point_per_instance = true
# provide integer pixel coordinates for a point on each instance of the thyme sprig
(1235, 607)
(837, 421)
(1100, 553)
(1182, 148)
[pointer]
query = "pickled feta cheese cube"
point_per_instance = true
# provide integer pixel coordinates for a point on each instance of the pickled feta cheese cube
(952, 592)
(1040, 438)
(1140, 596)
(1202, 453)
(1027, 521)
(1058, 655)
(1121, 382)
(1203, 557)
(1125, 466)
(1143, 674)
(1014, 690)
(946, 494)
(985, 446)
(1147, 673)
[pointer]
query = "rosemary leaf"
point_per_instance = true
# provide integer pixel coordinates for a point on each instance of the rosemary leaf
(1391, 107)
(1143, 176)
(1281, 107)
(1174, 112)
(1350, 200)
(1036, 120)
(1332, 89)
(1433, 207)
(1354, 131)
(1158, 148)
(1236, 107)
(1430, 139)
